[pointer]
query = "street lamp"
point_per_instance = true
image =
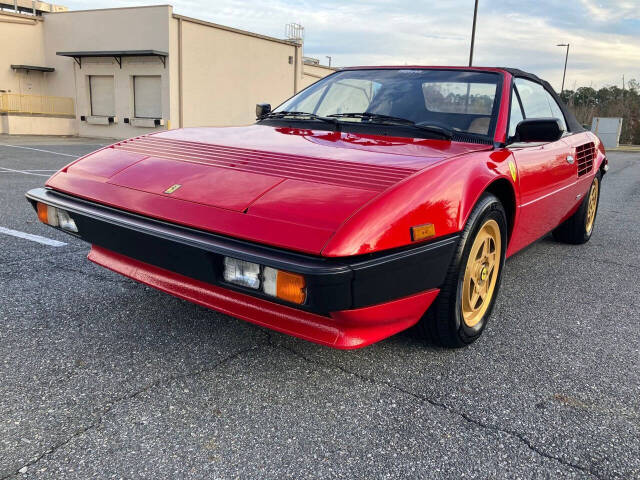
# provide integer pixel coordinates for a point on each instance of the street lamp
(329, 59)
(473, 32)
(566, 57)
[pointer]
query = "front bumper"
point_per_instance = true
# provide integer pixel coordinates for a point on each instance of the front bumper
(351, 302)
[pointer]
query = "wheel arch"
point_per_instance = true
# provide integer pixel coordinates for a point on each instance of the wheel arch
(503, 189)
(443, 195)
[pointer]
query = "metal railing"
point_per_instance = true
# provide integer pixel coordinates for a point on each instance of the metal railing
(39, 104)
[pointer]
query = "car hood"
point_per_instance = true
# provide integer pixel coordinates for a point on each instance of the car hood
(287, 187)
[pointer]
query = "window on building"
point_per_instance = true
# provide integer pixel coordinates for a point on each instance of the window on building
(102, 95)
(147, 96)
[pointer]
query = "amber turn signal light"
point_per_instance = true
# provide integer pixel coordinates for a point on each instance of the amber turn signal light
(290, 287)
(422, 232)
(284, 285)
(43, 213)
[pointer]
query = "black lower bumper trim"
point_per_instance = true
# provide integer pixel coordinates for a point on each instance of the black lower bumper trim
(332, 284)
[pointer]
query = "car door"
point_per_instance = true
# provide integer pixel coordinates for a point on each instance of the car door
(546, 171)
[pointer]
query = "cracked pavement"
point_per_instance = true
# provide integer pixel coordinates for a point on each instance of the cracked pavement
(105, 378)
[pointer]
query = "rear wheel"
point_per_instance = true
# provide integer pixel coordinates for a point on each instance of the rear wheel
(578, 228)
(466, 299)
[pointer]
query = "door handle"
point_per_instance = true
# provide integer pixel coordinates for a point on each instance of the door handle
(570, 159)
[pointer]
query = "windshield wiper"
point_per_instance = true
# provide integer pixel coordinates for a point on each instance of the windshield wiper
(300, 115)
(380, 118)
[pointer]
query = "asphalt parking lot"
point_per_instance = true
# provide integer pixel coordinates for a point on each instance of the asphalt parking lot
(105, 378)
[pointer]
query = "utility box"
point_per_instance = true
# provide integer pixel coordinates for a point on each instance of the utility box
(608, 130)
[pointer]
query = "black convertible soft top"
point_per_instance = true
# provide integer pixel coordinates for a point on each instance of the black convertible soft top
(572, 122)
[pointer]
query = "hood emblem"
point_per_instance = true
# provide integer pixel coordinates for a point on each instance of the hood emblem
(172, 188)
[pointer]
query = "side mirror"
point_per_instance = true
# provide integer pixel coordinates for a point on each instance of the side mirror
(262, 109)
(538, 130)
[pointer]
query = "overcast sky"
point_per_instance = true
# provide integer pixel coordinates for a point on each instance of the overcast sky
(604, 35)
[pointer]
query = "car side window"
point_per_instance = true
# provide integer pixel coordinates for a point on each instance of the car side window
(556, 111)
(534, 99)
(537, 102)
(515, 117)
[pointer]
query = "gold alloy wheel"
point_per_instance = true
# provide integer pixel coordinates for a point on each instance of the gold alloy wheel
(481, 273)
(593, 205)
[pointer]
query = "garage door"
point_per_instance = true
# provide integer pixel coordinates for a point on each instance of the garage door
(102, 95)
(147, 97)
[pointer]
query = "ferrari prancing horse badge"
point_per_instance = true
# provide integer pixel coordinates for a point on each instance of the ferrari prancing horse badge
(512, 168)
(172, 188)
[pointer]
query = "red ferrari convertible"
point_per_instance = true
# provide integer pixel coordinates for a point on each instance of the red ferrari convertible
(376, 199)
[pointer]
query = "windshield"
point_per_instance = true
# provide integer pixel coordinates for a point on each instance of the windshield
(457, 100)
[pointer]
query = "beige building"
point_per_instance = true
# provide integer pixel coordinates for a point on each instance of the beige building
(123, 72)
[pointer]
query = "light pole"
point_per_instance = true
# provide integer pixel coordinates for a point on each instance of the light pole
(473, 32)
(566, 57)
(329, 59)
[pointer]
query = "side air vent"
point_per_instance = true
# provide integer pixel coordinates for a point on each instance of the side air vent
(584, 158)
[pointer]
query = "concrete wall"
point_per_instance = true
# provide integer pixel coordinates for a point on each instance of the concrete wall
(22, 41)
(140, 28)
(226, 72)
(608, 129)
(173, 64)
(37, 125)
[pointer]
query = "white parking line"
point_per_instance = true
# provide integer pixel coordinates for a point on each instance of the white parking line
(33, 238)
(30, 170)
(25, 172)
(38, 150)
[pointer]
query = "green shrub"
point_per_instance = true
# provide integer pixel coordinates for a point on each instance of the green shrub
(587, 102)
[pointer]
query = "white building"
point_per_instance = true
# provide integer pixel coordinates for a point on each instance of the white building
(123, 72)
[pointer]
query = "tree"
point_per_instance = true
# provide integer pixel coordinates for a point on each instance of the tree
(586, 103)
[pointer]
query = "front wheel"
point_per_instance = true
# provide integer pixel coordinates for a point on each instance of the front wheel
(466, 299)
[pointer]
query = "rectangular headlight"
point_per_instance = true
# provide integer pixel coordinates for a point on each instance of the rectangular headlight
(242, 273)
(65, 222)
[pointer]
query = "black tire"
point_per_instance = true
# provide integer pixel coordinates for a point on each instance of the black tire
(575, 230)
(443, 324)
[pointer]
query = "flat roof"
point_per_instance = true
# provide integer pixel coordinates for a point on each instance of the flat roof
(233, 30)
(112, 8)
(32, 6)
(114, 53)
(35, 68)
